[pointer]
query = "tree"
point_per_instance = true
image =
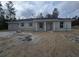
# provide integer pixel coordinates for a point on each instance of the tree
(3, 24)
(10, 12)
(76, 17)
(55, 13)
(40, 15)
(48, 16)
(1, 12)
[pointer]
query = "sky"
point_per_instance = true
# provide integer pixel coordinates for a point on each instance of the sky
(27, 9)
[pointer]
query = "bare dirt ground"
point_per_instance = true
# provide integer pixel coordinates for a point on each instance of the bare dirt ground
(43, 44)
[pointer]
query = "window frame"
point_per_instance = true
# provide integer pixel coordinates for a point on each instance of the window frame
(41, 25)
(61, 24)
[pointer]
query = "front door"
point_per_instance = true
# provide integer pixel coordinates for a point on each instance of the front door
(49, 26)
(41, 26)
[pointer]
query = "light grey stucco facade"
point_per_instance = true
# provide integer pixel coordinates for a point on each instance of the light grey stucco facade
(14, 26)
(41, 25)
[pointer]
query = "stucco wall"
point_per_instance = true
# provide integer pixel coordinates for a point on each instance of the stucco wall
(17, 26)
(26, 26)
(66, 26)
(34, 27)
(56, 26)
(13, 26)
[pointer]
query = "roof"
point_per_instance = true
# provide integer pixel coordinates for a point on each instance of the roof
(52, 18)
(44, 19)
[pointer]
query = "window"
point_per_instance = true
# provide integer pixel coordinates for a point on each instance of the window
(61, 24)
(22, 24)
(30, 24)
(40, 25)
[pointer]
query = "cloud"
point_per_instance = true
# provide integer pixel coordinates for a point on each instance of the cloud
(28, 13)
(33, 8)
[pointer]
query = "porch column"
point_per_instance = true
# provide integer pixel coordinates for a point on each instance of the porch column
(52, 26)
(36, 26)
(44, 26)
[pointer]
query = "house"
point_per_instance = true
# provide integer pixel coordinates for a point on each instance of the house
(41, 24)
(49, 23)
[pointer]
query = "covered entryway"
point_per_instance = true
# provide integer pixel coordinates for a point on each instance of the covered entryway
(45, 26)
(41, 26)
(49, 26)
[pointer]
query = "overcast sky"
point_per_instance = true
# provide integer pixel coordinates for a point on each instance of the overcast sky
(27, 9)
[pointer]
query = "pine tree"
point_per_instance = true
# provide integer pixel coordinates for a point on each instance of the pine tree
(55, 13)
(10, 12)
(2, 18)
(48, 16)
(40, 15)
(1, 12)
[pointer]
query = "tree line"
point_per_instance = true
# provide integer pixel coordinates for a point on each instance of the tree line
(76, 21)
(54, 14)
(7, 14)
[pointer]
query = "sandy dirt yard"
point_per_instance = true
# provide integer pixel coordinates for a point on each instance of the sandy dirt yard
(43, 44)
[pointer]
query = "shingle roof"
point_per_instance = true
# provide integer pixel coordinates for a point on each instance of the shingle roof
(31, 19)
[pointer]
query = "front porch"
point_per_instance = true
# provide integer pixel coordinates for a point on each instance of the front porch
(43, 26)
